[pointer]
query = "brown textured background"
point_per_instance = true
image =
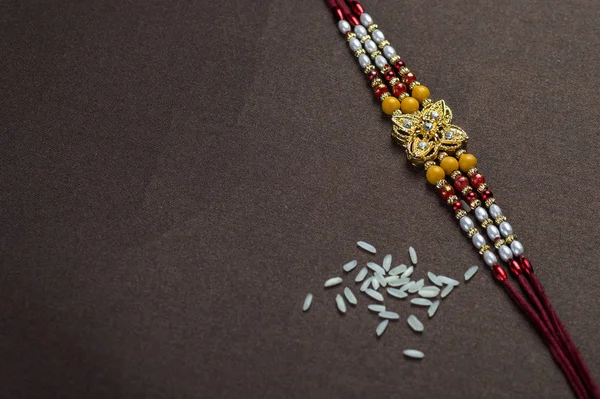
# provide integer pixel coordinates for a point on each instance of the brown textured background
(176, 176)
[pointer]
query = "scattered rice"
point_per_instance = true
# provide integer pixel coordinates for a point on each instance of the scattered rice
(389, 315)
(381, 279)
(366, 246)
(433, 308)
(350, 296)
(341, 305)
(413, 353)
(421, 301)
(408, 272)
(397, 293)
(405, 287)
(374, 294)
(375, 267)
(307, 302)
(413, 255)
(361, 275)
(416, 286)
(366, 284)
(398, 282)
(471, 272)
(376, 308)
(448, 280)
(333, 281)
(446, 291)
(431, 291)
(387, 262)
(375, 283)
(434, 279)
(392, 278)
(381, 327)
(415, 323)
(349, 266)
(397, 270)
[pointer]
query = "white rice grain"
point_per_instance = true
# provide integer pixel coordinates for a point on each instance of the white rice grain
(375, 283)
(471, 272)
(398, 282)
(434, 279)
(350, 296)
(381, 327)
(413, 255)
(416, 286)
(389, 315)
(366, 284)
(361, 274)
(408, 272)
(446, 291)
(307, 302)
(448, 280)
(376, 308)
(431, 291)
(374, 294)
(397, 270)
(397, 293)
(413, 354)
(366, 246)
(375, 267)
(349, 266)
(415, 323)
(421, 301)
(381, 279)
(387, 262)
(341, 305)
(392, 278)
(433, 308)
(333, 282)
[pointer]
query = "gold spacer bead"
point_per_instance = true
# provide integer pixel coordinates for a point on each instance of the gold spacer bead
(482, 187)
(414, 84)
(489, 202)
(384, 96)
(428, 164)
(359, 52)
(474, 204)
(452, 199)
(369, 68)
(455, 174)
(510, 238)
(459, 153)
(427, 101)
(395, 59)
(403, 96)
(372, 27)
(376, 81)
(350, 35)
(395, 80)
(466, 190)
(365, 38)
(440, 183)
(383, 43)
(500, 219)
(487, 222)
(472, 232)
(472, 171)
(403, 70)
(461, 213)
(442, 155)
(375, 54)
(498, 243)
(484, 248)
(396, 114)
(385, 69)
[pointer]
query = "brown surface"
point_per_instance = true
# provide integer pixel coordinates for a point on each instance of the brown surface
(177, 176)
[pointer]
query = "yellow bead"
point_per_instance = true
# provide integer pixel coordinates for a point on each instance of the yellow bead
(435, 174)
(449, 164)
(409, 105)
(467, 161)
(390, 104)
(421, 93)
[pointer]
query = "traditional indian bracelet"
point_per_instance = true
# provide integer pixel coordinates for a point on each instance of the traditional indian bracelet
(426, 131)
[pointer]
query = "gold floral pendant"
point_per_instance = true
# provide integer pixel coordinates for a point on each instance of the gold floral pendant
(427, 132)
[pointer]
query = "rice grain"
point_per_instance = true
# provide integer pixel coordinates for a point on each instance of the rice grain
(333, 282)
(366, 246)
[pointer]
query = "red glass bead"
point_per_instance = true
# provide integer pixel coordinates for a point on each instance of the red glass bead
(461, 182)
(408, 78)
(398, 89)
(498, 272)
(372, 75)
(456, 206)
(515, 269)
(380, 90)
(389, 75)
(477, 180)
(487, 194)
(471, 196)
(446, 191)
(399, 65)
(525, 264)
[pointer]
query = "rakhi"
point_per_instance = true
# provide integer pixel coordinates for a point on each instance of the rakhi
(426, 131)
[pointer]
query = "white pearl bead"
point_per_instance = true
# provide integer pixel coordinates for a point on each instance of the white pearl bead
(377, 35)
(505, 252)
(370, 46)
(517, 248)
(389, 52)
(364, 60)
(366, 19)
(480, 213)
(489, 258)
(492, 232)
(495, 211)
(505, 229)
(354, 44)
(466, 223)
(344, 26)
(360, 31)
(380, 61)
(478, 240)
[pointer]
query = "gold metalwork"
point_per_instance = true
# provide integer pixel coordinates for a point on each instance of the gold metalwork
(372, 27)
(510, 238)
(374, 54)
(442, 155)
(350, 35)
(365, 38)
(466, 190)
(427, 132)
(394, 81)
(472, 171)
(482, 187)
(452, 199)
(403, 70)
(395, 59)
(461, 213)
(369, 68)
(383, 43)
(459, 153)
(487, 222)
(376, 81)
(500, 219)
(456, 173)
(489, 202)
(498, 243)
(414, 84)
(359, 52)
(440, 183)
(403, 96)
(385, 95)
(426, 102)
(474, 204)
(472, 232)
(484, 248)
